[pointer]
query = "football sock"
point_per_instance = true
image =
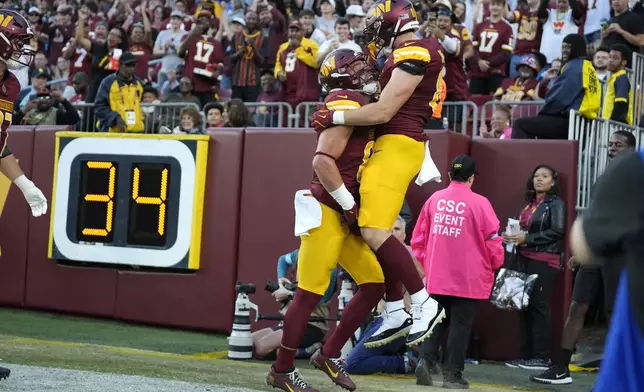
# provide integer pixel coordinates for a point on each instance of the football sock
(566, 355)
(393, 288)
(295, 321)
(353, 316)
(392, 306)
(396, 259)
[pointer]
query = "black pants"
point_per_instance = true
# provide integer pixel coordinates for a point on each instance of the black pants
(485, 86)
(540, 127)
(460, 317)
(535, 320)
(246, 94)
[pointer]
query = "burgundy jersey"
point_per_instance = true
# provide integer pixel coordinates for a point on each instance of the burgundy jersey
(301, 83)
(529, 32)
(143, 54)
(9, 91)
(414, 114)
(358, 150)
(203, 55)
(489, 39)
(516, 90)
(456, 78)
(81, 61)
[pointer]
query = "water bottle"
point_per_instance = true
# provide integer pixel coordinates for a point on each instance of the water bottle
(445, 123)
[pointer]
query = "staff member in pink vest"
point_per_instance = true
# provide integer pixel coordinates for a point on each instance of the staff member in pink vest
(456, 241)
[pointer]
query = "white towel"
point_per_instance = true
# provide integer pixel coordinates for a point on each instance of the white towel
(308, 213)
(428, 171)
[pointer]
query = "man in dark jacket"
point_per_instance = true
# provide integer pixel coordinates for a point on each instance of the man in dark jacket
(576, 88)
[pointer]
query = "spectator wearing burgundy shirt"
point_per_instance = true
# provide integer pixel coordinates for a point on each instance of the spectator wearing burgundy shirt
(540, 245)
(297, 68)
(268, 116)
(249, 50)
(455, 77)
(273, 27)
(492, 40)
(60, 32)
(523, 87)
(530, 17)
(141, 45)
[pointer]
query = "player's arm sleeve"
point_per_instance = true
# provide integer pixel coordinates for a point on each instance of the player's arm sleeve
(610, 223)
(278, 59)
(68, 115)
(451, 45)
(102, 110)
(412, 59)
(308, 54)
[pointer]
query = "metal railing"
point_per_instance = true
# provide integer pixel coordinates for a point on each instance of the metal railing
(593, 137)
(157, 115)
(459, 114)
(517, 109)
(302, 114)
(271, 114)
(637, 84)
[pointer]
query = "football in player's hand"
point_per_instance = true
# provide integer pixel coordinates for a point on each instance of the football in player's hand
(322, 119)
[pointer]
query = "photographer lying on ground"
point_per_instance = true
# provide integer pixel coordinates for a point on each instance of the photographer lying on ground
(266, 341)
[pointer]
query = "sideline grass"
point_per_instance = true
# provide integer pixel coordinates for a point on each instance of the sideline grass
(46, 326)
(40, 339)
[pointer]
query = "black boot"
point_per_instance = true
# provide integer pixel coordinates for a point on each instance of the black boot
(454, 381)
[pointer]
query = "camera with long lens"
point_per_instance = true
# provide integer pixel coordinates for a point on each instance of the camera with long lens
(272, 286)
(245, 288)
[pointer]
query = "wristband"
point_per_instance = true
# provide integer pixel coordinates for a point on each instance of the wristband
(338, 118)
(23, 183)
(343, 197)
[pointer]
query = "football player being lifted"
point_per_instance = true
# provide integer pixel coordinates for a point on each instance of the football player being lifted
(411, 89)
(341, 155)
(15, 33)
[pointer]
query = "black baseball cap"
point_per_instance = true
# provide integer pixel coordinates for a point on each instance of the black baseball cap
(39, 72)
(128, 58)
(462, 168)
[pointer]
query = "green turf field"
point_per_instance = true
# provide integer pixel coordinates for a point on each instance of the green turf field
(40, 339)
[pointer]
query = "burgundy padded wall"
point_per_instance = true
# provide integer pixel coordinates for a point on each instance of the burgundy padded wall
(444, 146)
(504, 167)
(204, 299)
(86, 290)
(277, 163)
(14, 221)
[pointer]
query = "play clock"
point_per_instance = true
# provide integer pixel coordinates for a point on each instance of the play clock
(128, 199)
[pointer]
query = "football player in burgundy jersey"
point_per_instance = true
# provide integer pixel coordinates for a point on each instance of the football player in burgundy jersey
(522, 87)
(15, 33)
(203, 54)
(411, 90)
(493, 45)
(341, 155)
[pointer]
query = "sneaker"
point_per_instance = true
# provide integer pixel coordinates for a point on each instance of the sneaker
(395, 325)
(513, 363)
(535, 364)
(557, 375)
(334, 368)
(455, 381)
(4, 373)
(425, 316)
(424, 373)
(289, 382)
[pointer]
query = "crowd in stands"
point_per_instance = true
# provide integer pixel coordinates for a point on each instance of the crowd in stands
(270, 51)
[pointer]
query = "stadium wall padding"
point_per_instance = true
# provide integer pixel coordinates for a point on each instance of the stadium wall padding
(248, 223)
(504, 167)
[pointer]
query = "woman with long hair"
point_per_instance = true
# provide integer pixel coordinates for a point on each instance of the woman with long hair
(539, 247)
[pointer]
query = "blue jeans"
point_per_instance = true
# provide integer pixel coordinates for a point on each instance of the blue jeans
(384, 359)
(514, 61)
